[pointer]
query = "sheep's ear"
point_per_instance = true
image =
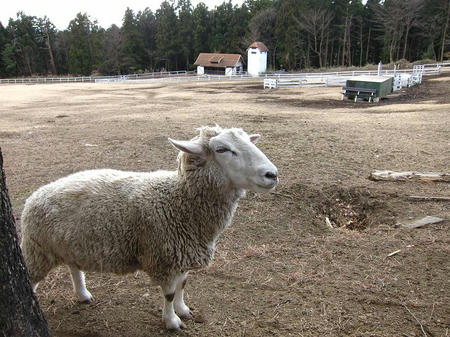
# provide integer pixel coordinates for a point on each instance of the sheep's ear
(187, 146)
(254, 138)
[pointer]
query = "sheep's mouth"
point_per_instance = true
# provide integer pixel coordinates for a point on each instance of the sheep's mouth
(268, 187)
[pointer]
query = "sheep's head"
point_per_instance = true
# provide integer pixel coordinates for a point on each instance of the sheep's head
(234, 152)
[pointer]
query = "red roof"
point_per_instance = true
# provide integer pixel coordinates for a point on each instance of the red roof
(261, 46)
(216, 60)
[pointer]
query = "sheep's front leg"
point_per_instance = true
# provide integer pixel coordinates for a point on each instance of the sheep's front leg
(170, 318)
(180, 307)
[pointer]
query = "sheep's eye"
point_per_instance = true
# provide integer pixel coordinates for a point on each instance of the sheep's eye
(222, 150)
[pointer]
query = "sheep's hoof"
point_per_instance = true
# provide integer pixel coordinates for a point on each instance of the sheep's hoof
(88, 301)
(85, 298)
(186, 315)
(174, 323)
(183, 311)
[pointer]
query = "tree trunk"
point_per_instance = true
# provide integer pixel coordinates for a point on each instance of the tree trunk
(349, 42)
(444, 33)
(50, 53)
(391, 51)
(368, 45)
(344, 43)
(274, 60)
(361, 46)
(408, 27)
(319, 53)
(331, 61)
(27, 62)
(20, 314)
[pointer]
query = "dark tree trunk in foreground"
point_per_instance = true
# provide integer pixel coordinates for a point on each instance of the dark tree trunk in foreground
(20, 314)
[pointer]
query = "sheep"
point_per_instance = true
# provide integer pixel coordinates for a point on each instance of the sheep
(165, 223)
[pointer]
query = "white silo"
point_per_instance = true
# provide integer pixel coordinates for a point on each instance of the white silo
(257, 58)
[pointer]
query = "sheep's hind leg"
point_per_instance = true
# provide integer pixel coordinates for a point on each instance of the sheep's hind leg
(170, 318)
(38, 262)
(79, 285)
(180, 307)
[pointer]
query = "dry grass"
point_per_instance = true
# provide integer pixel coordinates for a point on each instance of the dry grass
(278, 270)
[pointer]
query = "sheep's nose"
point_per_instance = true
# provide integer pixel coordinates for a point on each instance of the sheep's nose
(273, 175)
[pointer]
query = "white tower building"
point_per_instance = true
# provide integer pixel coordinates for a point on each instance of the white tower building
(257, 58)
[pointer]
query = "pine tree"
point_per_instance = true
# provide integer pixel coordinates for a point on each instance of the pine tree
(147, 26)
(185, 28)
(111, 64)
(222, 33)
(47, 34)
(132, 44)
(62, 52)
(25, 48)
(3, 42)
(166, 37)
(201, 29)
(79, 47)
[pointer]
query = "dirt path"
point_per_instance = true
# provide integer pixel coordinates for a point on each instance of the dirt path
(279, 270)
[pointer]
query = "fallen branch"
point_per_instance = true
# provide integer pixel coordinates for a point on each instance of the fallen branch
(426, 198)
(424, 221)
(409, 176)
(394, 253)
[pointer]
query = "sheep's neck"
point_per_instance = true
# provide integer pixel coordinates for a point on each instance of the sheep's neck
(213, 202)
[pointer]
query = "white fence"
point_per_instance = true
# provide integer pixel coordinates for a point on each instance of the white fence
(335, 78)
(339, 78)
(98, 79)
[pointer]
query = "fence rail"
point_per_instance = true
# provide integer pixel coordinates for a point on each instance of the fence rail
(339, 78)
(97, 79)
(319, 78)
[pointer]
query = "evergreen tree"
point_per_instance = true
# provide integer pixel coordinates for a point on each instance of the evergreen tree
(185, 29)
(201, 29)
(79, 53)
(3, 42)
(291, 49)
(61, 52)
(46, 34)
(85, 45)
(112, 64)
(148, 27)
(166, 37)
(132, 44)
(222, 31)
(239, 29)
(9, 60)
(24, 50)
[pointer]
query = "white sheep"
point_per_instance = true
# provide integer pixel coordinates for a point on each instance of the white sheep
(164, 223)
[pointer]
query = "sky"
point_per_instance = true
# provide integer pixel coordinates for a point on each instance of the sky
(62, 12)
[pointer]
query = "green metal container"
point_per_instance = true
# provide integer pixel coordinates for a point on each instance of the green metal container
(383, 84)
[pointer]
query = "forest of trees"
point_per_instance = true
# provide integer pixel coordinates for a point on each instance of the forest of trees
(299, 34)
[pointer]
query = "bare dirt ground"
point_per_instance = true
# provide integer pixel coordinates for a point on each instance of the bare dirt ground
(279, 270)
